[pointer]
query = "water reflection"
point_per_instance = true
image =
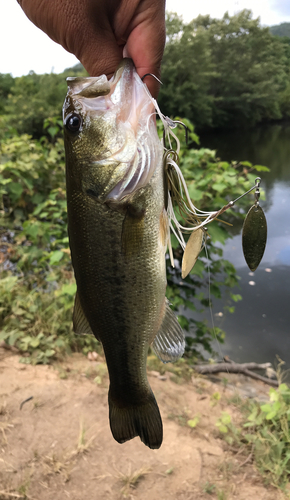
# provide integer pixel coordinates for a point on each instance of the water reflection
(260, 327)
(264, 145)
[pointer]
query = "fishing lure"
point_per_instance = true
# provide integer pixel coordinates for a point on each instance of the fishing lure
(180, 206)
(254, 235)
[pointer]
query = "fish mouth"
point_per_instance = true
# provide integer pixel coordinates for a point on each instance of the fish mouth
(88, 90)
(124, 93)
(128, 100)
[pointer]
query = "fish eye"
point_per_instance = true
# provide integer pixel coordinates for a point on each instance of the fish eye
(73, 122)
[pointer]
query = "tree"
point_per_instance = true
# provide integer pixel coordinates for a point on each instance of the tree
(33, 98)
(187, 70)
(224, 72)
(6, 82)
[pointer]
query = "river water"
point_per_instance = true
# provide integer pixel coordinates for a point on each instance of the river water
(259, 329)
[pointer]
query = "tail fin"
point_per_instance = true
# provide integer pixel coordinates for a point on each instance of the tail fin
(143, 420)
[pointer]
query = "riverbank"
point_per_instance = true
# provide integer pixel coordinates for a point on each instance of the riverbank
(59, 444)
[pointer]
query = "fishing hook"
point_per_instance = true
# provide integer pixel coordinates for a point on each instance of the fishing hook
(185, 127)
(153, 76)
(172, 124)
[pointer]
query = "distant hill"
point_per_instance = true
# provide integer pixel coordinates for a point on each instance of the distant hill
(282, 29)
(78, 68)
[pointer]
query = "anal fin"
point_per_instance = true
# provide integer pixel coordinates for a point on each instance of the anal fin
(169, 342)
(81, 325)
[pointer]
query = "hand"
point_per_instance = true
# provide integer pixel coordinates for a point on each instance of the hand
(101, 32)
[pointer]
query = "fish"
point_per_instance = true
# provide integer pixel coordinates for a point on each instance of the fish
(118, 234)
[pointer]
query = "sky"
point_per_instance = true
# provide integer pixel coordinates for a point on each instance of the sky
(25, 48)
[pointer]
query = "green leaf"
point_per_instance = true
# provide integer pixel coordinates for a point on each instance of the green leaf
(236, 297)
(217, 233)
(261, 168)
(198, 268)
(31, 230)
(219, 186)
(8, 283)
(34, 343)
(18, 311)
(284, 388)
(194, 193)
(4, 182)
(193, 422)
(246, 164)
(226, 418)
(69, 289)
(16, 188)
(222, 428)
(4, 335)
(49, 353)
(56, 256)
(53, 131)
(274, 395)
(271, 415)
(266, 408)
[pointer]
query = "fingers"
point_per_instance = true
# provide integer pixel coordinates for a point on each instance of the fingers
(100, 58)
(145, 44)
(94, 43)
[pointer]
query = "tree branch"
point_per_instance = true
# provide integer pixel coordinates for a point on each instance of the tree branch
(243, 368)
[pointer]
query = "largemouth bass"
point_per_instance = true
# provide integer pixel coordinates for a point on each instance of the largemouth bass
(118, 233)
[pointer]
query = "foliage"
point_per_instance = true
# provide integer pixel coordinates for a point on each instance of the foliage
(36, 317)
(37, 293)
(269, 435)
(29, 100)
(223, 72)
(6, 82)
(265, 434)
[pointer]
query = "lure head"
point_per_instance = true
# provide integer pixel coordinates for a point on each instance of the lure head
(110, 134)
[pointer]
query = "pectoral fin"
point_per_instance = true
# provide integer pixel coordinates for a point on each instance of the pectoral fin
(80, 323)
(169, 342)
(132, 232)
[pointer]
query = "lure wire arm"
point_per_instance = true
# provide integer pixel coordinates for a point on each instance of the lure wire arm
(231, 203)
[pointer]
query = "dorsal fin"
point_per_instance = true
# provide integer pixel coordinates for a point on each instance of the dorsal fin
(169, 342)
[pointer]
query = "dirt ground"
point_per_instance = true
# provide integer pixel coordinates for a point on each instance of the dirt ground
(59, 445)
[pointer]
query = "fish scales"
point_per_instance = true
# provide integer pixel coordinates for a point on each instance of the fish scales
(117, 240)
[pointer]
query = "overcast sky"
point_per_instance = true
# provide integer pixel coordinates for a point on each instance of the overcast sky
(24, 47)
